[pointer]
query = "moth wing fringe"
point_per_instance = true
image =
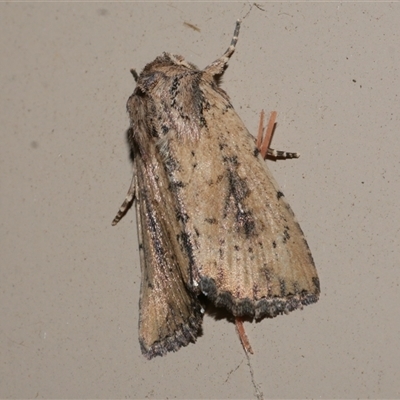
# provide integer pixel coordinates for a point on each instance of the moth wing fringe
(257, 309)
(182, 337)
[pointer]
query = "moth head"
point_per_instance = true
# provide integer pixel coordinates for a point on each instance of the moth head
(169, 61)
(179, 60)
(160, 70)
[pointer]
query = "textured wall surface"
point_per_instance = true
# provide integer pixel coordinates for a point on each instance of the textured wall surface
(69, 281)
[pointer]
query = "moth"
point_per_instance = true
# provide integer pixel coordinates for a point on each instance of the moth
(212, 222)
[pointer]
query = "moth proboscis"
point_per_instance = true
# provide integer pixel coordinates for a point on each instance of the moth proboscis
(212, 222)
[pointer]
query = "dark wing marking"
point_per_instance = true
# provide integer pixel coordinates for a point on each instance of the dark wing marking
(249, 253)
(170, 314)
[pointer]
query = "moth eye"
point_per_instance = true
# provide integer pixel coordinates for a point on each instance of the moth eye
(139, 91)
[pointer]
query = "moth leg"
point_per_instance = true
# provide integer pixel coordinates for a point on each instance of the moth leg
(268, 133)
(264, 143)
(218, 66)
(260, 131)
(242, 335)
(127, 202)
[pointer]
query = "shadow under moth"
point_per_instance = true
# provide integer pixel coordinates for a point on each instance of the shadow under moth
(212, 222)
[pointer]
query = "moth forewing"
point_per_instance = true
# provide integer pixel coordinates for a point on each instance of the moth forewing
(250, 253)
(170, 315)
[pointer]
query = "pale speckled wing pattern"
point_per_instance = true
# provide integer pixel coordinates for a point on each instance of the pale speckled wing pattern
(248, 251)
(170, 314)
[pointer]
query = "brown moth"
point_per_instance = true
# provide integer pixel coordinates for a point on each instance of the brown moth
(211, 219)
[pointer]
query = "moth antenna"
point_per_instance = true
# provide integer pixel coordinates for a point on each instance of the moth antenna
(281, 154)
(135, 74)
(218, 66)
(243, 336)
(127, 202)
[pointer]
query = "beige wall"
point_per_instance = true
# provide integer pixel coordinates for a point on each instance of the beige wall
(69, 282)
